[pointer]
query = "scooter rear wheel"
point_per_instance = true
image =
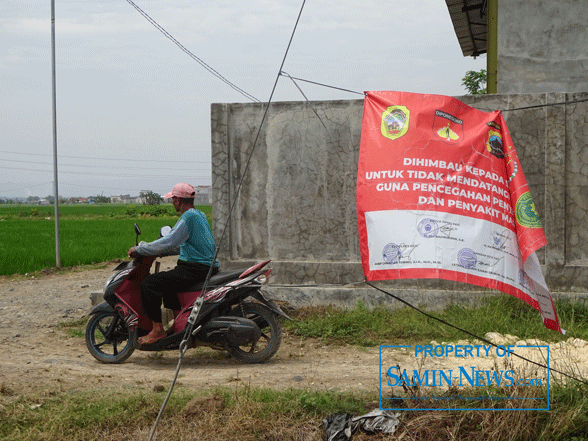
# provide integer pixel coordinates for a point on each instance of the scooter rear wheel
(271, 334)
(109, 339)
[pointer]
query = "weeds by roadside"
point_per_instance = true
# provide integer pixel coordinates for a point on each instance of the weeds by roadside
(240, 413)
(363, 326)
(244, 413)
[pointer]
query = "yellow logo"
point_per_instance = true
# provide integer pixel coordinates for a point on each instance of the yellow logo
(494, 143)
(448, 127)
(395, 120)
(448, 134)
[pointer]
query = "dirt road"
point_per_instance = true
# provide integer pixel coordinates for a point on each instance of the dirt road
(35, 353)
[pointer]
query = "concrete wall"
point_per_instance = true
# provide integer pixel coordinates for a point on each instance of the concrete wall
(542, 46)
(297, 200)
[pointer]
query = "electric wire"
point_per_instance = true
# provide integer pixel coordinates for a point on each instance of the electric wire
(66, 184)
(188, 334)
(309, 103)
(107, 166)
(100, 188)
(194, 57)
(420, 311)
(536, 106)
(108, 159)
(323, 85)
(546, 105)
(118, 175)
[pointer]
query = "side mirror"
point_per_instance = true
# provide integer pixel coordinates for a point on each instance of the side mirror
(164, 231)
(138, 233)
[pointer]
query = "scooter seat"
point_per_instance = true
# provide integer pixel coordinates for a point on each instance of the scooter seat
(218, 279)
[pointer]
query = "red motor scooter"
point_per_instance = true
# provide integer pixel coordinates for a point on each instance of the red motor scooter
(232, 315)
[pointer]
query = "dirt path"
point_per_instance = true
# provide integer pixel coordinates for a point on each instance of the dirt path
(35, 353)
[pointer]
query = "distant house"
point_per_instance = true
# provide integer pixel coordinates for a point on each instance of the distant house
(124, 199)
(203, 195)
(79, 201)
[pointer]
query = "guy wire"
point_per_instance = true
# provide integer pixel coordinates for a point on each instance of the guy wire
(188, 334)
(309, 103)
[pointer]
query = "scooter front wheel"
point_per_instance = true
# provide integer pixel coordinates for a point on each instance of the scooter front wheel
(109, 339)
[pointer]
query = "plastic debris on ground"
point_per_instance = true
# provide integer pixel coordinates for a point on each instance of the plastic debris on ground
(341, 426)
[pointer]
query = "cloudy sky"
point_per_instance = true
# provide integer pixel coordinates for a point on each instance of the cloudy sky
(133, 109)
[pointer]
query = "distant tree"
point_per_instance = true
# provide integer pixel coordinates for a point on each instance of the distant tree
(33, 199)
(151, 198)
(475, 82)
(101, 199)
(51, 199)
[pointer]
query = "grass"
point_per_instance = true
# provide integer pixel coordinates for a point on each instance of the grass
(246, 414)
(88, 234)
(94, 211)
(567, 420)
(73, 328)
(501, 313)
(241, 413)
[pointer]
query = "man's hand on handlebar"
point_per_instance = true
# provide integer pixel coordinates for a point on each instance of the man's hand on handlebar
(132, 252)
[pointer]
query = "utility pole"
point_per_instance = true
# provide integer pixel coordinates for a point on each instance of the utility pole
(55, 185)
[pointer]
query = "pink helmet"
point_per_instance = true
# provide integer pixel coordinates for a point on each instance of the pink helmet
(181, 190)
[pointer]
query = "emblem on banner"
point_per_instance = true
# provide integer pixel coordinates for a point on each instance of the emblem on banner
(494, 141)
(395, 120)
(467, 258)
(448, 127)
(525, 212)
(391, 253)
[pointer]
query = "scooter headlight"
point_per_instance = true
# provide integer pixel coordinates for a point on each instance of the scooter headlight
(117, 276)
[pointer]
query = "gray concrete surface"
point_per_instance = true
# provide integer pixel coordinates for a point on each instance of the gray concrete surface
(296, 203)
(542, 46)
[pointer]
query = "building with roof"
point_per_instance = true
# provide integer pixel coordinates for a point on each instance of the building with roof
(532, 46)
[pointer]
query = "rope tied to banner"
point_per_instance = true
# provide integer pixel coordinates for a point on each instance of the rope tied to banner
(536, 106)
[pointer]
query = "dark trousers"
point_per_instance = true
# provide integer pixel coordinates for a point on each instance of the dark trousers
(166, 284)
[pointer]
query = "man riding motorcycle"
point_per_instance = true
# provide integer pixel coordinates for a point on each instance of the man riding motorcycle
(192, 239)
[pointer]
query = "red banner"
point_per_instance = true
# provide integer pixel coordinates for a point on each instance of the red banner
(441, 194)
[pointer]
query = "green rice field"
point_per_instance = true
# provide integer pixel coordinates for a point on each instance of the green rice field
(88, 233)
